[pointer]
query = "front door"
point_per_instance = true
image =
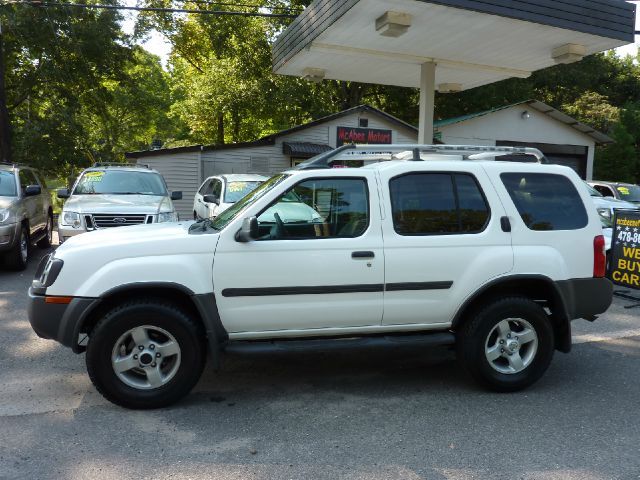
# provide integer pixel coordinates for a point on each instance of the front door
(318, 263)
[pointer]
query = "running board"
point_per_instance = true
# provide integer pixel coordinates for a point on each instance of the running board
(324, 344)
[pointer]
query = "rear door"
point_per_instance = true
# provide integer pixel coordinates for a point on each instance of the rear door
(443, 240)
(552, 233)
(317, 265)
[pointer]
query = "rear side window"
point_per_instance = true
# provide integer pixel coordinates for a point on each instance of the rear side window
(546, 201)
(437, 204)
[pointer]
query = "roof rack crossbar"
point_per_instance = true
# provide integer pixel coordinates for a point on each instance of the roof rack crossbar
(370, 152)
(119, 164)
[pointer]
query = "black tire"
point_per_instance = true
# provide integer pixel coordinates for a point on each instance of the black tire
(15, 259)
(195, 216)
(473, 337)
(45, 242)
(148, 312)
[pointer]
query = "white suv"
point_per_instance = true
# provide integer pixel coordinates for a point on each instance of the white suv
(494, 257)
(115, 195)
(219, 192)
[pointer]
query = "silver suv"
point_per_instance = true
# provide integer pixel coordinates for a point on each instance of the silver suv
(115, 195)
(26, 216)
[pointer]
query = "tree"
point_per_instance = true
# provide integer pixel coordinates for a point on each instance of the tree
(617, 161)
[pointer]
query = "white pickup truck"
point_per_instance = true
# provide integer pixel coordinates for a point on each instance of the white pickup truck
(439, 242)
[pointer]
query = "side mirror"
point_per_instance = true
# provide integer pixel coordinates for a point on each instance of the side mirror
(211, 199)
(249, 230)
(176, 195)
(32, 190)
(63, 193)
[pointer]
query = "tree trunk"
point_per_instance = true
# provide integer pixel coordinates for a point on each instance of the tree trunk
(220, 139)
(5, 126)
(236, 125)
(352, 94)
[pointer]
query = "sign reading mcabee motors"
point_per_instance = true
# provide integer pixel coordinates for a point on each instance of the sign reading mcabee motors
(362, 136)
(624, 268)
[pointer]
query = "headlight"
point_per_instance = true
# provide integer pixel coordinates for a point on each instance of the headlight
(167, 217)
(605, 212)
(71, 219)
(4, 216)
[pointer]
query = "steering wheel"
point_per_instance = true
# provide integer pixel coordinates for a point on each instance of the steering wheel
(279, 231)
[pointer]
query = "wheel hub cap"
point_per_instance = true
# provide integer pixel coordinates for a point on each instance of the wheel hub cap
(146, 357)
(511, 346)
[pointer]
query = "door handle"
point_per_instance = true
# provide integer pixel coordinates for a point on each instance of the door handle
(505, 224)
(363, 255)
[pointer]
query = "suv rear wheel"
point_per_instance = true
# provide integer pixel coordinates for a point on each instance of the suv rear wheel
(145, 354)
(18, 256)
(507, 345)
(45, 242)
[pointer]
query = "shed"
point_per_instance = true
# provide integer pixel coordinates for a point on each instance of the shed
(562, 139)
(185, 168)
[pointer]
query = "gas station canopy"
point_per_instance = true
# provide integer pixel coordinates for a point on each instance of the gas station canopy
(472, 42)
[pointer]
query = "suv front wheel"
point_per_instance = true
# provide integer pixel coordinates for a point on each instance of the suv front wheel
(145, 354)
(507, 345)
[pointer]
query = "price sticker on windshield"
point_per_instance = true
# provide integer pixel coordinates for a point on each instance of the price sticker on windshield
(93, 176)
(237, 186)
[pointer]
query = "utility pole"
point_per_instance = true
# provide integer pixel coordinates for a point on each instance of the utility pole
(5, 127)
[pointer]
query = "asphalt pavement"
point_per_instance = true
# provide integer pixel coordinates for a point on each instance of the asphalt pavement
(395, 413)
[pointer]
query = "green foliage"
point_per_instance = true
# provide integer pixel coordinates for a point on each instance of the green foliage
(79, 90)
(617, 162)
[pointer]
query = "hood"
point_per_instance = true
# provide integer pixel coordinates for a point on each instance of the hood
(610, 202)
(118, 204)
(103, 246)
(6, 202)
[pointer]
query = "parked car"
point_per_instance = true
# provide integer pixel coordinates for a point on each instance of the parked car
(219, 192)
(494, 257)
(606, 206)
(115, 195)
(622, 191)
(26, 216)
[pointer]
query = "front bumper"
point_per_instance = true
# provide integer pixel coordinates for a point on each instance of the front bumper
(58, 322)
(8, 236)
(65, 233)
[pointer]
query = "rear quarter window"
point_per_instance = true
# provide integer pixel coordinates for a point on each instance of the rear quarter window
(545, 201)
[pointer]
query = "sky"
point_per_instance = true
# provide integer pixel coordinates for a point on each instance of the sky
(158, 44)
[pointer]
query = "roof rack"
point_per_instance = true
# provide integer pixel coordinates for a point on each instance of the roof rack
(414, 153)
(119, 164)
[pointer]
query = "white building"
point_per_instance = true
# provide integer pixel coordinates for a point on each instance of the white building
(185, 168)
(561, 138)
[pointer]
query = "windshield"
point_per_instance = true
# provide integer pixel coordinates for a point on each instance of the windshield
(236, 190)
(7, 184)
(630, 193)
(232, 212)
(119, 182)
(593, 192)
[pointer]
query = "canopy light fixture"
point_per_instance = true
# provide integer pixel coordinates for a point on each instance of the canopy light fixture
(315, 75)
(393, 24)
(449, 87)
(569, 53)
(525, 115)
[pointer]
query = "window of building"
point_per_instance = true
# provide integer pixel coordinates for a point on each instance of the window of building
(318, 208)
(437, 204)
(546, 201)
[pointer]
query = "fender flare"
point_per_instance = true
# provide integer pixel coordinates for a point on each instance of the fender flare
(560, 315)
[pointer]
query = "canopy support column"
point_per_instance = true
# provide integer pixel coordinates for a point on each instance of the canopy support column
(427, 102)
